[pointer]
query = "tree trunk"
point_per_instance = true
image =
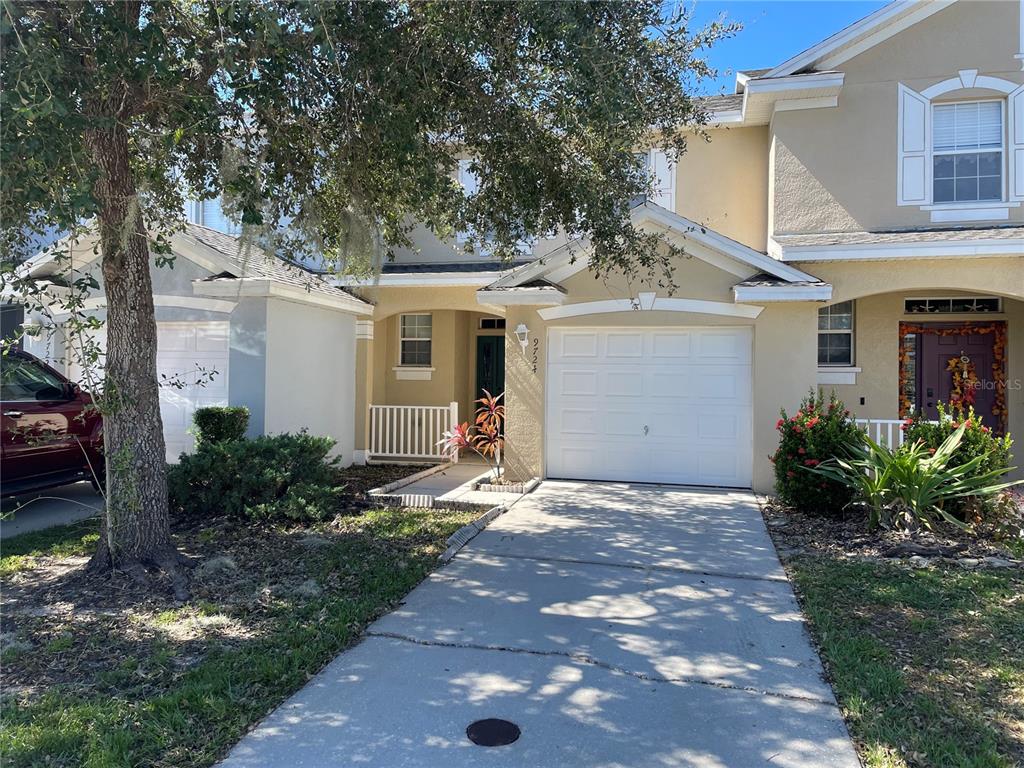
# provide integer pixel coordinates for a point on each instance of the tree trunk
(136, 528)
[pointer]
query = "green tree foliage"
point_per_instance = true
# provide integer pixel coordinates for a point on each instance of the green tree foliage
(345, 120)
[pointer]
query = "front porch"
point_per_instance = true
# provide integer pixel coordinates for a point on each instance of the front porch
(891, 355)
(425, 366)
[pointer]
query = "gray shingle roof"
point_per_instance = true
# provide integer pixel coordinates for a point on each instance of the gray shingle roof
(249, 260)
(724, 103)
(958, 234)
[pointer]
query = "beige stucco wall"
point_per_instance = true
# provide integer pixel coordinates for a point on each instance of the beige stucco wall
(722, 183)
(834, 170)
(784, 364)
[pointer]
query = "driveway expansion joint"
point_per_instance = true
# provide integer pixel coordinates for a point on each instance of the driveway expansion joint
(590, 660)
(638, 567)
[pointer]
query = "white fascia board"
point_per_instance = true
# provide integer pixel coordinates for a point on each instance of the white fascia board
(421, 279)
(264, 288)
(84, 250)
(725, 117)
(861, 35)
(810, 81)
(541, 297)
(764, 293)
(880, 251)
(724, 245)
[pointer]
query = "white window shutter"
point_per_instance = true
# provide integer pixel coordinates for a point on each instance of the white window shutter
(664, 180)
(914, 126)
(1015, 150)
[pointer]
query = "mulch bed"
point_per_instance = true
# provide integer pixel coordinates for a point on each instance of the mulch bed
(847, 536)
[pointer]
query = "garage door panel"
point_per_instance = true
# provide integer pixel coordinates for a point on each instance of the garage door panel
(690, 387)
(731, 345)
(623, 384)
(576, 345)
(670, 346)
(629, 346)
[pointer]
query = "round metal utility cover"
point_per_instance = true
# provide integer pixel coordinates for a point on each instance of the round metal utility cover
(492, 732)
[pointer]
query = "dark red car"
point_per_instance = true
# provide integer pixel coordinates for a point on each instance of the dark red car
(52, 434)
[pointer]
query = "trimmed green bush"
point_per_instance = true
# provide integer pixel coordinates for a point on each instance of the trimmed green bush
(978, 440)
(270, 477)
(820, 430)
(220, 423)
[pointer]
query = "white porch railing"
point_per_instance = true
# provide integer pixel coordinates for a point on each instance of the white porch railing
(883, 431)
(411, 431)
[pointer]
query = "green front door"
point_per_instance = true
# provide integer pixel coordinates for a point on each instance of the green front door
(490, 364)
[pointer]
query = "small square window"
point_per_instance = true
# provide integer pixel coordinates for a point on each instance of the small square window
(492, 323)
(415, 340)
(835, 334)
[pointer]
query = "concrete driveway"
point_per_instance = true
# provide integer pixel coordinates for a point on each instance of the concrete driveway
(44, 509)
(616, 625)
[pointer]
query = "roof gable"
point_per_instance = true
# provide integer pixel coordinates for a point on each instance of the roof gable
(698, 241)
(859, 36)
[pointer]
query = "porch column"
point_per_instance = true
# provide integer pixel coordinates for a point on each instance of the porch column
(364, 389)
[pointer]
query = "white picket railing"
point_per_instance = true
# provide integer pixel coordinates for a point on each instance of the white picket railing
(411, 431)
(883, 431)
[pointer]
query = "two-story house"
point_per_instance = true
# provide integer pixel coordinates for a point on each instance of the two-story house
(854, 223)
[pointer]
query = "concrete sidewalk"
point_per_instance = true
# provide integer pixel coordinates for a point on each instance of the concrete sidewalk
(616, 625)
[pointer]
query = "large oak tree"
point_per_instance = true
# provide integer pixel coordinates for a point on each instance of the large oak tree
(343, 119)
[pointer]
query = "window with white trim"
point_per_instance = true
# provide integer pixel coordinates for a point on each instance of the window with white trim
(967, 152)
(835, 334)
(414, 340)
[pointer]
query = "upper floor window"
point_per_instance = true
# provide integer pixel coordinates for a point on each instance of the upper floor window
(835, 334)
(210, 213)
(967, 152)
(414, 340)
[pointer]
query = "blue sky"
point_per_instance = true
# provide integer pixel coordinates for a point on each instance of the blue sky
(773, 31)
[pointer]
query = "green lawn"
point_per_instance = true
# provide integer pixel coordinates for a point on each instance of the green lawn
(928, 664)
(119, 683)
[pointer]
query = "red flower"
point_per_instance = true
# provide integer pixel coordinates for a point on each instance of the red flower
(812, 462)
(968, 423)
(801, 451)
(797, 428)
(791, 473)
(799, 415)
(813, 422)
(779, 423)
(931, 451)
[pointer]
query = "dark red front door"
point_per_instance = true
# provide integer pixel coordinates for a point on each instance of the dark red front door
(935, 383)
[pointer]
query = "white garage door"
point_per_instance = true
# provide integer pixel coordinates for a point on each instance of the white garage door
(654, 405)
(192, 366)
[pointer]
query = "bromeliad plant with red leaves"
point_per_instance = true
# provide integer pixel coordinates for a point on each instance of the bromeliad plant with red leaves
(821, 429)
(484, 436)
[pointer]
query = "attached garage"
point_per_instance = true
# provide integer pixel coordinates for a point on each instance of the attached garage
(192, 360)
(656, 405)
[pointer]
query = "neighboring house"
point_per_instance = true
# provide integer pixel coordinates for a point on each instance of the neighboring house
(854, 223)
(234, 326)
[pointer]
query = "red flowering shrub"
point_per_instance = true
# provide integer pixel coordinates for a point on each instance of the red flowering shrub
(821, 429)
(978, 440)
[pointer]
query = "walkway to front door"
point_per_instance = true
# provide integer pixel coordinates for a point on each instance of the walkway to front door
(616, 625)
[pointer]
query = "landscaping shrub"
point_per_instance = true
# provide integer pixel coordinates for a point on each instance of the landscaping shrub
(220, 423)
(913, 486)
(978, 440)
(270, 477)
(820, 430)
